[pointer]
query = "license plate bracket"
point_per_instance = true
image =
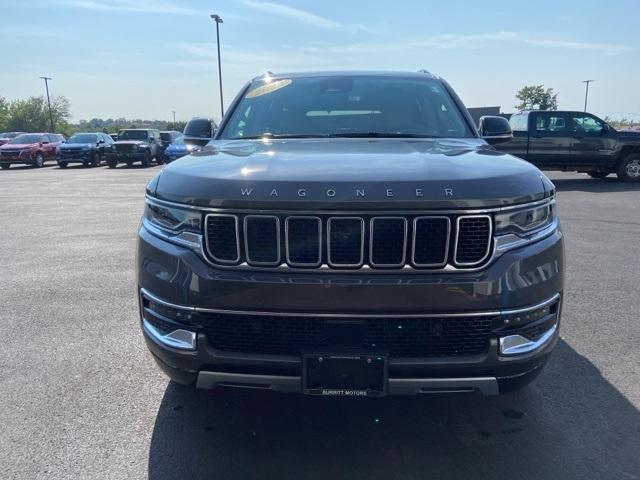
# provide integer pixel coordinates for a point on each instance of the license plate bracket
(345, 374)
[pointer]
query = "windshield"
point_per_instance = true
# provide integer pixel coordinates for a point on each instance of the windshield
(83, 138)
(132, 135)
(367, 106)
(26, 138)
(178, 141)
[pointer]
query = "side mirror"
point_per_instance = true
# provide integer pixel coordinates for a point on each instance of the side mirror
(101, 141)
(494, 130)
(45, 142)
(606, 128)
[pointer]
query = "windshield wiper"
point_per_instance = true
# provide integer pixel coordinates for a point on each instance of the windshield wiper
(380, 135)
(281, 135)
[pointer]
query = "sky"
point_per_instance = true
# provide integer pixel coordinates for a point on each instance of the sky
(145, 58)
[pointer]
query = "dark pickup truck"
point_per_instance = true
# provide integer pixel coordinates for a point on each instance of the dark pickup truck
(574, 141)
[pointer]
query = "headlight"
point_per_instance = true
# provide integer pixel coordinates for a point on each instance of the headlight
(176, 225)
(518, 227)
(525, 221)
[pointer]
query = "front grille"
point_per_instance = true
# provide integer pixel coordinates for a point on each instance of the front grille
(380, 242)
(124, 147)
(400, 337)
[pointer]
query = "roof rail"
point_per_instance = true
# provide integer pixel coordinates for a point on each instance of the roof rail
(422, 70)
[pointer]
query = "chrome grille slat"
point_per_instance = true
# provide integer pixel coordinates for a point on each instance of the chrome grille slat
(265, 231)
(378, 247)
(422, 252)
(306, 250)
(343, 244)
(334, 241)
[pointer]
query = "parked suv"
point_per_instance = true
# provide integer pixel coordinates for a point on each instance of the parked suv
(85, 148)
(30, 149)
(136, 145)
(351, 234)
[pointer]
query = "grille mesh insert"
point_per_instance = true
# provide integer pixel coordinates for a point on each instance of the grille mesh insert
(222, 239)
(262, 242)
(388, 241)
(474, 235)
(401, 337)
(303, 240)
(431, 240)
(346, 241)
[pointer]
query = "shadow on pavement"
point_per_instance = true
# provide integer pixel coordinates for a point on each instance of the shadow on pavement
(571, 423)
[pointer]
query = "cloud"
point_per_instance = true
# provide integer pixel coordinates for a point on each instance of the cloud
(139, 6)
(303, 16)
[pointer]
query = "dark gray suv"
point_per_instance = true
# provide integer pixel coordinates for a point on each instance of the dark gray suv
(351, 234)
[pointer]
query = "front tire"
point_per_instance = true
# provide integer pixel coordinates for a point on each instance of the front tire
(629, 168)
(599, 174)
(146, 160)
(95, 160)
(5, 167)
(38, 162)
(62, 164)
(112, 163)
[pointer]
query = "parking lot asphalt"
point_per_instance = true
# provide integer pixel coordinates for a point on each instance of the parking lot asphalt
(80, 396)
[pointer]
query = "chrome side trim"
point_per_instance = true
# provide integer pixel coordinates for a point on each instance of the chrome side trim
(492, 313)
(489, 240)
(286, 241)
(345, 265)
(247, 251)
(413, 246)
(373, 212)
(404, 243)
(518, 345)
(180, 339)
(208, 243)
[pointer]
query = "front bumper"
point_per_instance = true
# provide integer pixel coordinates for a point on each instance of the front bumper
(519, 279)
(83, 157)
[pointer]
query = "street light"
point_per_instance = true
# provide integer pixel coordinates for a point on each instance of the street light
(218, 20)
(46, 86)
(586, 93)
(174, 118)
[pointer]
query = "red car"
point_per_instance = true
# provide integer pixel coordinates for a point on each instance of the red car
(30, 149)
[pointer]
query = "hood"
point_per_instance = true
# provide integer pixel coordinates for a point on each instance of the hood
(630, 135)
(329, 173)
(17, 146)
(130, 142)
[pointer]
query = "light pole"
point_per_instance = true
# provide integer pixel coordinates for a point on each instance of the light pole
(46, 86)
(218, 20)
(174, 118)
(586, 92)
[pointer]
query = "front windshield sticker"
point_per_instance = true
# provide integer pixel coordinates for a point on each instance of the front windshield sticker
(268, 88)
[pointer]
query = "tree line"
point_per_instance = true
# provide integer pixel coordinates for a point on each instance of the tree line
(32, 115)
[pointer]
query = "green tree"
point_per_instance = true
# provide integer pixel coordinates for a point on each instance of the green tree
(4, 114)
(32, 114)
(536, 97)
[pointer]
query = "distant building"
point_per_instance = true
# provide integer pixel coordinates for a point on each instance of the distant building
(477, 112)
